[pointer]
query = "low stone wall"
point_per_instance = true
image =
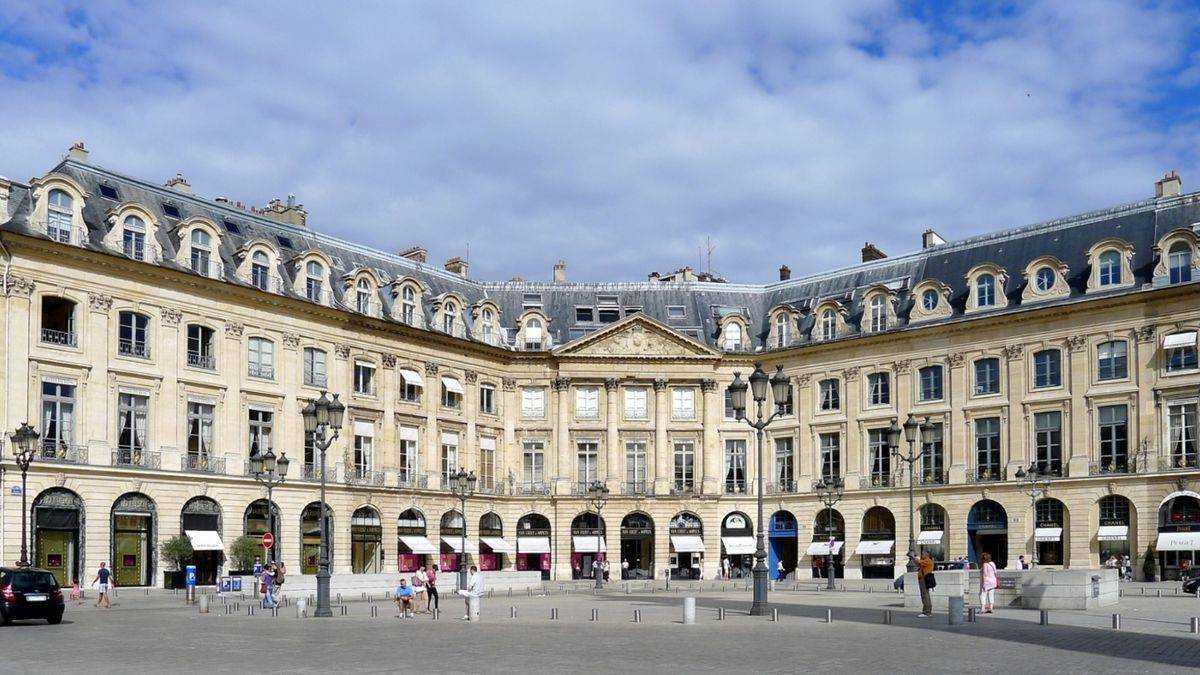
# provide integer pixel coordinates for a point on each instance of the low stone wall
(376, 584)
(949, 582)
(1028, 589)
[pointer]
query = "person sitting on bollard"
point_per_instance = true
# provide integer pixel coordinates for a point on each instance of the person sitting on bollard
(404, 599)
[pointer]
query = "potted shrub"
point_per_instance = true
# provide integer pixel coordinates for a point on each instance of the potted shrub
(242, 553)
(176, 552)
(1150, 566)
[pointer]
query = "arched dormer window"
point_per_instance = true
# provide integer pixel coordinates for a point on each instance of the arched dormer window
(133, 238)
(201, 252)
(1178, 255)
(406, 302)
(1110, 269)
(131, 230)
(486, 317)
(486, 327)
(985, 291)
(879, 310)
(363, 296)
(828, 325)
(878, 315)
(58, 208)
(533, 334)
(1045, 279)
(732, 339)
(986, 288)
(1179, 263)
(1111, 261)
(60, 216)
(781, 327)
(783, 330)
(450, 317)
(408, 305)
(931, 300)
(314, 281)
(260, 270)
(533, 331)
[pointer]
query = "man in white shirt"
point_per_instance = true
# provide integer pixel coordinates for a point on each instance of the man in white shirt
(472, 594)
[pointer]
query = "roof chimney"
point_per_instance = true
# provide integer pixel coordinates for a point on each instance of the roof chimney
(929, 239)
(785, 273)
(180, 184)
(414, 253)
(78, 152)
(1170, 185)
(653, 276)
(291, 213)
(560, 272)
(457, 265)
(871, 252)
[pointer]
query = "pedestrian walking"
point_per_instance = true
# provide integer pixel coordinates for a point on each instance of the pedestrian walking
(102, 583)
(624, 569)
(1127, 568)
(924, 576)
(472, 594)
(605, 569)
(1021, 563)
(780, 569)
(76, 594)
(431, 589)
(268, 587)
(725, 568)
(420, 583)
(987, 583)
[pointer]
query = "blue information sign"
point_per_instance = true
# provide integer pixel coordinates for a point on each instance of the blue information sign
(191, 575)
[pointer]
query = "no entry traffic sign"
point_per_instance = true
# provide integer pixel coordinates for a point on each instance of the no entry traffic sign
(268, 540)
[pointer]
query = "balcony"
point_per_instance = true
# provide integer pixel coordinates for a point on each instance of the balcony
(137, 349)
(985, 474)
(1108, 468)
(58, 451)
(137, 458)
(1179, 462)
(212, 269)
(203, 463)
(637, 487)
(264, 371)
(781, 488)
(59, 337)
(144, 252)
(199, 360)
(735, 488)
(933, 478)
(316, 380)
(491, 487)
(75, 236)
(880, 480)
(683, 489)
(535, 488)
(356, 475)
(410, 479)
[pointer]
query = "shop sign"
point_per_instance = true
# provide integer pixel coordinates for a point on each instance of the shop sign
(637, 532)
(1007, 583)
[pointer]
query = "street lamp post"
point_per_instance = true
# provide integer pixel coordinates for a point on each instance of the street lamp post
(24, 441)
(1033, 483)
(270, 472)
(830, 492)
(462, 485)
(911, 427)
(598, 496)
(781, 390)
(323, 419)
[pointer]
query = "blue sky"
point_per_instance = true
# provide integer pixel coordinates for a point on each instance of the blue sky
(619, 135)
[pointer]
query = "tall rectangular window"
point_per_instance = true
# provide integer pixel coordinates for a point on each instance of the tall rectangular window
(407, 454)
(364, 449)
(1114, 438)
(931, 383)
(487, 462)
(587, 403)
(879, 389)
(532, 461)
(729, 412)
(685, 465)
(1048, 442)
(133, 335)
(200, 346)
(132, 425)
(735, 466)
(881, 457)
(683, 404)
(449, 456)
(199, 434)
(987, 377)
(831, 456)
(785, 463)
(987, 448)
(635, 467)
(364, 378)
(635, 403)
(533, 403)
(487, 399)
(587, 462)
(831, 398)
(58, 419)
(1047, 368)
(1112, 360)
(1182, 434)
(933, 466)
(314, 367)
(262, 422)
(261, 358)
(1181, 352)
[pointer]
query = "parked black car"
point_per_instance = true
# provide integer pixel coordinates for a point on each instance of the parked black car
(29, 593)
(1192, 584)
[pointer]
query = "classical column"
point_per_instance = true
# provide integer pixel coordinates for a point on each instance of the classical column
(563, 474)
(1082, 423)
(954, 439)
(512, 458)
(710, 450)
(855, 450)
(170, 426)
(806, 453)
(430, 452)
(612, 439)
(1013, 436)
(662, 449)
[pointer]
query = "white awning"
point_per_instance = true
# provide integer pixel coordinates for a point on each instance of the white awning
(1176, 340)
(408, 433)
(487, 442)
(1047, 534)
(455, 544)
(449, 438)
(412, 377)
(875, 547)
(1178, 541)
(363, 428)
(452, 384)
(497, 544)
(929, 537)
(205, 540)
(822, 548)
(1113, 533)
(738, 545)
(533, 544)
(418, 544)
(586, 543)
(687, 543)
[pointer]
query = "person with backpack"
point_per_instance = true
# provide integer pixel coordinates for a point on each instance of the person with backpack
(924, 579)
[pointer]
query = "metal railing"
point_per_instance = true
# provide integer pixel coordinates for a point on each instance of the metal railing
(985, 474)
(213, 269)
(137, 457)
(58, 451)
(887, 480)
(321, 297)
(203, 463)
(269, 284)
(145, 252)
(1179, 462)
(637, 487)
(265, 371)
(683, 489)
(59, 337)
(135, 348)
(533, 489)
(735, 488)
(412, 480)
(932, 478)
(315, 380)
(75, 236)
(1109, 468)
(781, 488)
(199, 360)
(356, 475)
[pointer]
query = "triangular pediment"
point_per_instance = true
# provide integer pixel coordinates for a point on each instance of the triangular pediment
(636, 337)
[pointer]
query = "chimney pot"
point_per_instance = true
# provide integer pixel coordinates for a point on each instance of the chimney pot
(179, 184)
(415, 253)
(785, 273)
(560, 272)
(929, 239)
(457, 265)
(78, 152)
(871, 252)
(1170, 185)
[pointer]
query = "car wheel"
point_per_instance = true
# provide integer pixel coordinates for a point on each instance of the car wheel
(54, 619)
(4, 620)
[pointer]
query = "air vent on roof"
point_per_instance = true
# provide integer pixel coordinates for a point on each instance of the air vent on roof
(283, 241)
(171, 210)
(232, 227)
(108, 192)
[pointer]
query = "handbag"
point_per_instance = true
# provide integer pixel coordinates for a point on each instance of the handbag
(930, 581)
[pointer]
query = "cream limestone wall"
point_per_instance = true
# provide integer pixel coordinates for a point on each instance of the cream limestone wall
(635, 353)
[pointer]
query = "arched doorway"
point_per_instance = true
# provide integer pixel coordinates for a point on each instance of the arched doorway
(133, 537)
(878, 544)
(637, 546)
(492, 545)
(932, 536)
(687, 545)
(412, 544)
(533, 543)
(782, 547)
(829, 535)
(987, 532)
(310, 537)
(737, 544)
(366, 541)
(1178, 533)
(58, 529)
(1114, 538)
(588, 544)
(200, 522)
(1050, 532)
(451, 530)
(257, 519)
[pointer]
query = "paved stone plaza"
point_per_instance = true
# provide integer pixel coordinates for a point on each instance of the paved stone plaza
(157, 633)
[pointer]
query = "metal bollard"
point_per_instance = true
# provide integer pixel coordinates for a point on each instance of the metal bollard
(637, 616)
(887, 617)
(204, 604)
(1116, 621)
(829, 616)
(971, 618)
(775, 614)
(249, 610)
(374, 611)
(345, 610)
(512, 612)
(339, 597)
(1158, 593)
(595, 615)
(1195, 625)
(1044, 618)
(553, 613)
(626, 589)
(274, 611)
(689, 611)
(437, 614)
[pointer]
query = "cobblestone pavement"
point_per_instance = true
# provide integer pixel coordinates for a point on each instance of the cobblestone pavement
(158, 633)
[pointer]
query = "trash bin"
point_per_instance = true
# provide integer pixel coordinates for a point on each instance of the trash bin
(955, 609)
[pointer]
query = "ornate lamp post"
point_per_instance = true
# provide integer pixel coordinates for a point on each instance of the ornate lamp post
(1033, 484)
(911, 427)
(24, 441)
(830, 493)
(598, 497)
(462, 485)
(781, 390)
(270, 472)
(323, 419)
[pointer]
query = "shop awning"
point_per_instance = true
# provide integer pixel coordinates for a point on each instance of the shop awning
(455, 544)
(205, 540)
(1176, 340)
(533, 544)
(1178, 541)
(452, 384)
(822, 548)
(875, 547)
(418, 544)
(687, 543)
(412, 377)
(929, 537)
(1047, 534)
(586, 543)
(1113, 533)
(738, 545)
(497, 544)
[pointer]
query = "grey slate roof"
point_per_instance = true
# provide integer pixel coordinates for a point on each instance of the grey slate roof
(1141, 223)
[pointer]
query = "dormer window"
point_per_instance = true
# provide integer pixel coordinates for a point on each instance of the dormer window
(985, 291)
(1110, 269)
(929, 300)
(828, 325)
(59, 214)
(449, 317)
(878, 314)
(363, 296)
(1179, 263)
(733, 337)
(1044, 279)
(201, 252)
(260, 270)
(533, 334)
(486, 317)
(314, 274)
(133, 238)
(408, 305)
(783, 330)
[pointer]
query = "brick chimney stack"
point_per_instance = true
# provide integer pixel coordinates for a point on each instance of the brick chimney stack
(179, 184)
(560, 272)
(291, 212)
(78, 152)
(785, 273)
(871, 252)
(415, 253)
(457, 265)
(1170, 185)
